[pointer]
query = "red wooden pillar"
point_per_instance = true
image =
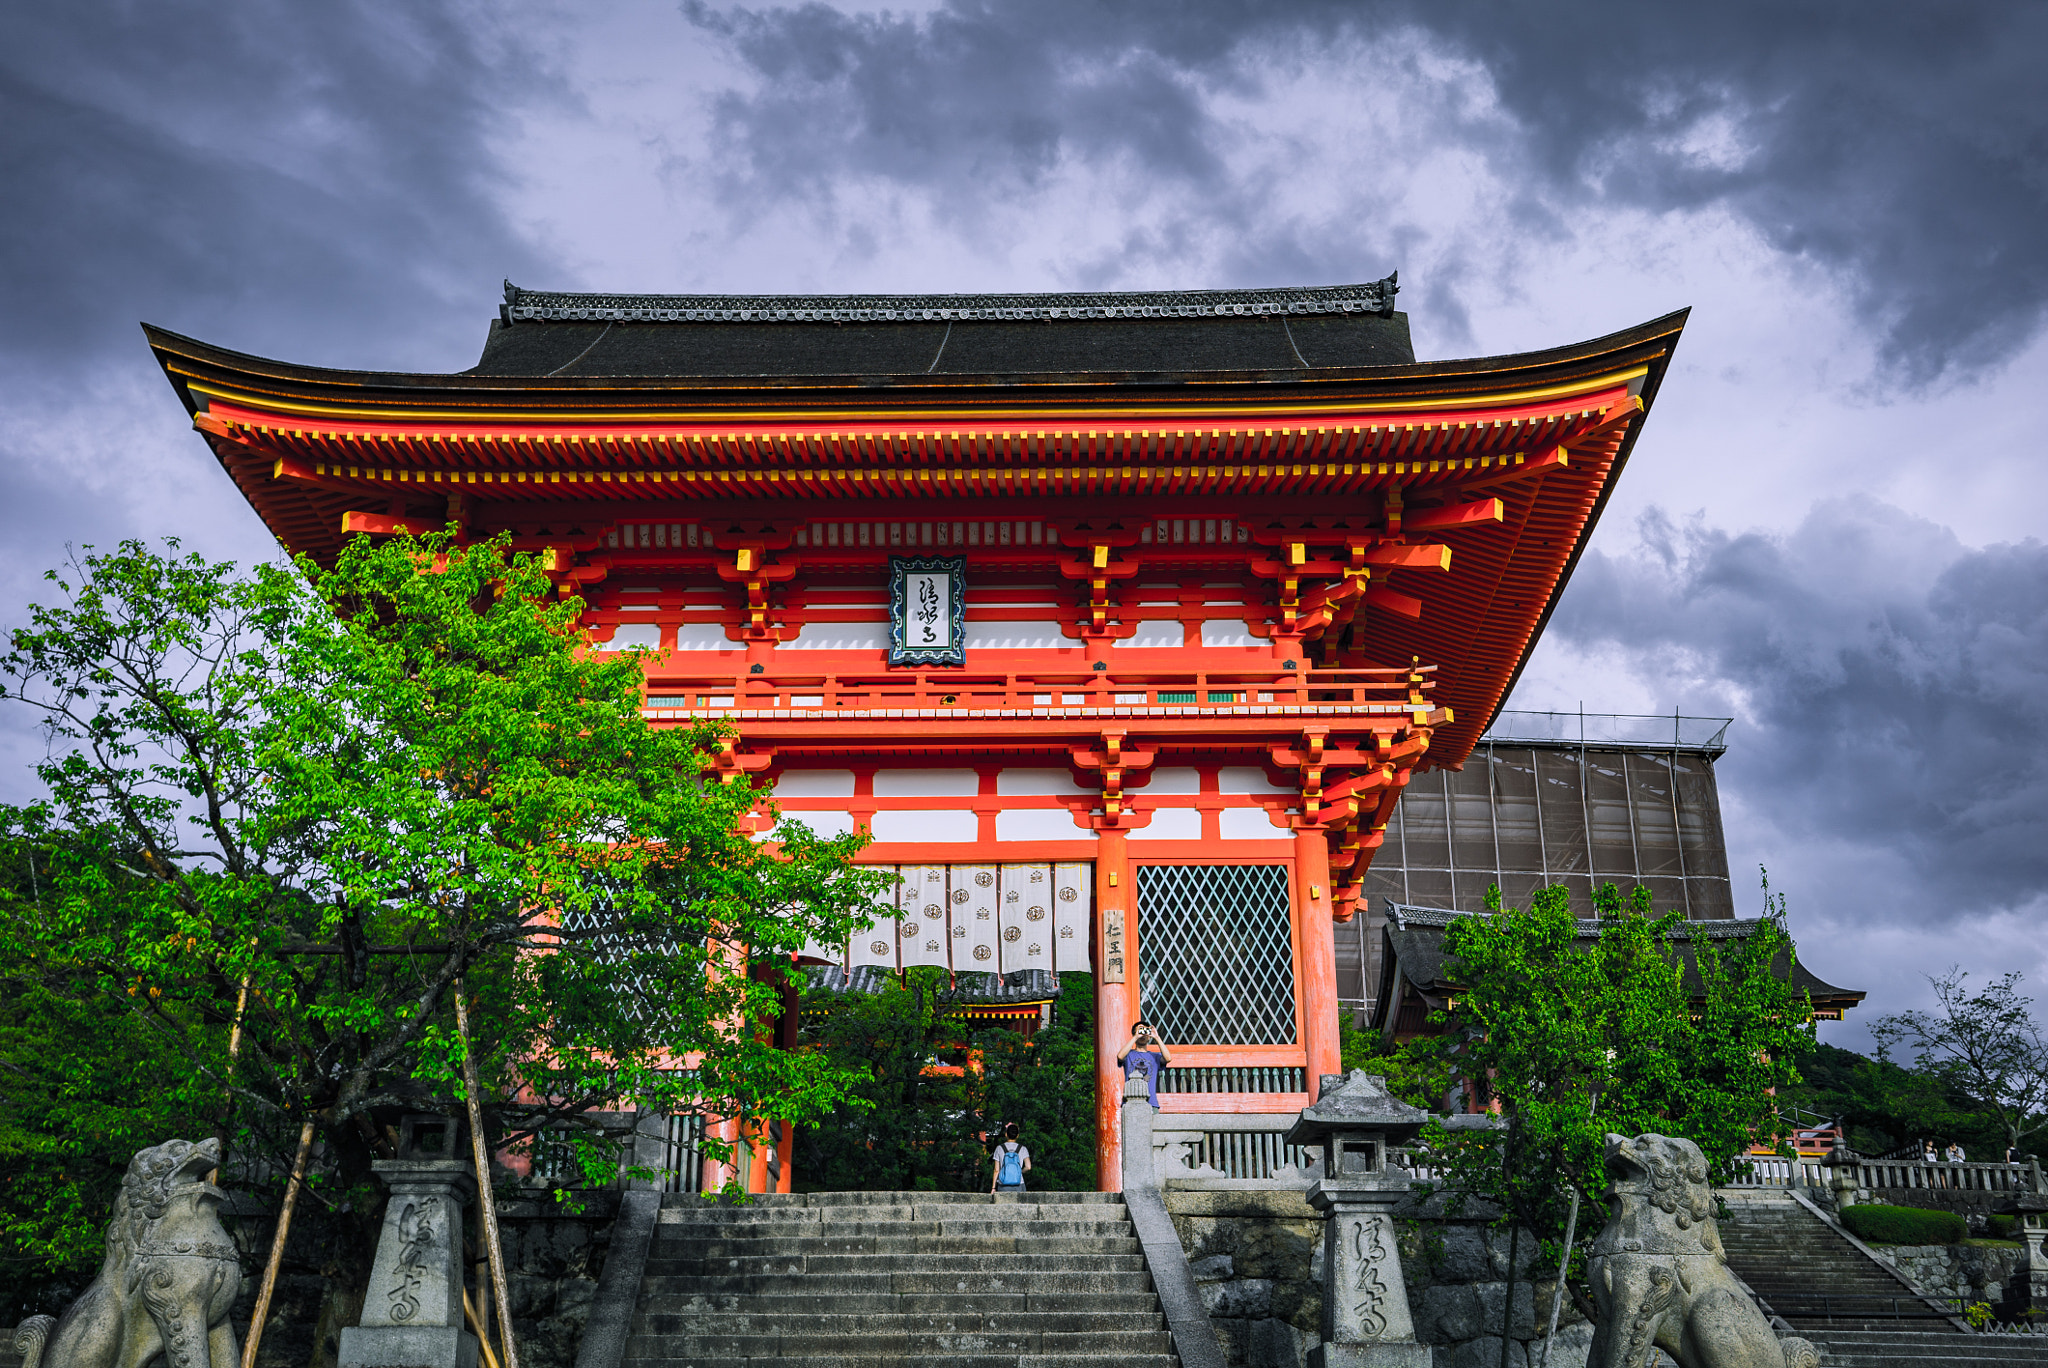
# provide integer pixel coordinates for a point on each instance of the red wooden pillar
(1318, 953)
(1113, 1010)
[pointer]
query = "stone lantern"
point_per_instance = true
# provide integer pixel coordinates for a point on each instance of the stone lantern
(1845, 1170)
(412, 1314)
(1366, 1323)
(2032, 1209)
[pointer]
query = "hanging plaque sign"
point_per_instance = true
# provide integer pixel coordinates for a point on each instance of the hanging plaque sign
(1112, 945)
(927, 610)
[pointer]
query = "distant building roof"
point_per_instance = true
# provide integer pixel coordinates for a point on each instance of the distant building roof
(1416, 965)
(1622, 731)
(555, 333)
(1022, 988)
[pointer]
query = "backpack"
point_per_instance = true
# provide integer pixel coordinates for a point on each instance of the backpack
(1010, 1168)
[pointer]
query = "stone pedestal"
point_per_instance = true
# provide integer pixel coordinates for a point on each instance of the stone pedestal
(2033, 1214)
(412, 1314)
(1366, 1322)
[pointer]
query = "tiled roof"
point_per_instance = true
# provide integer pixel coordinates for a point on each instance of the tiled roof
(559, 306)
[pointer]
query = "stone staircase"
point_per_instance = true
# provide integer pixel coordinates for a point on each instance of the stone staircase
(1856, 1310)
(876, 1279)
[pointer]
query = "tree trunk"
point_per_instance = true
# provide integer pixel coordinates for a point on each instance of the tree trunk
(277, 1241)
(487, 1209)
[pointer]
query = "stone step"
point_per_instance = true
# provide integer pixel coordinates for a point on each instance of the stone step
(774, 1201)
(733, 1243)
(1901, 1356)
(1119, 1344)
(954, 1230)
(1075, 1360)
(656, 1301)
(904, 1322)
(833, 1284)
(984, 1209)
(758, 1265)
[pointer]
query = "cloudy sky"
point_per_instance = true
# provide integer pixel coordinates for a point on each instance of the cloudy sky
(1829, 532)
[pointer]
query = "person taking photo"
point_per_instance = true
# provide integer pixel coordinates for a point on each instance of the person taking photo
(1145, 1053)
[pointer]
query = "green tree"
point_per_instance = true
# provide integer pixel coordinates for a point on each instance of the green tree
(351, 788)
(1575, 1031)
(1985, 1044)
(907, 1123)
(1045, 1082)
(935, 1087)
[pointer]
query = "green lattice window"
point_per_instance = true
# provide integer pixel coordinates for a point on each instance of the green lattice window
(1215, 954)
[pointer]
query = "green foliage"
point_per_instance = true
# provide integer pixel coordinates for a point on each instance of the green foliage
(351, 788)
(1896, 1225)
(1045, 1082)
(2002, 1227)
(934, 1085)
(1883, 1105)
(1550, 1021)
(1983, 1043)
(905, 1124)
(1421, 1072)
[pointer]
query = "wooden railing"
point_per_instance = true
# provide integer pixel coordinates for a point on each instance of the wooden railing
(939, 693)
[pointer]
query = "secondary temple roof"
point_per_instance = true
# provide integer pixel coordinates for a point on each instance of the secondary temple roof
(1416, 972)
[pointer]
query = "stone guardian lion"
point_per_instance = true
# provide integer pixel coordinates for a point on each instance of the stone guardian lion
(170, 1275)
(1659, 1274)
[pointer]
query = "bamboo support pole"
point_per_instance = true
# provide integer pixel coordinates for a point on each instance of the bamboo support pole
(486, 1207)
(277, 1239)
(483, 1336)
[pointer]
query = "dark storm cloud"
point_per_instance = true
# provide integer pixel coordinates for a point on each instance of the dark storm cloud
(1891, 685)
(313, 179)
(1903, 148)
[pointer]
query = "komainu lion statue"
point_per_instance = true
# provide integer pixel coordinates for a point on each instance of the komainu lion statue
(1659, 1274)
(170, 1275)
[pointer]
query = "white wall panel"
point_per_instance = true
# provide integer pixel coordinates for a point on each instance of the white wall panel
(927, 783)
(973, 905)
(1037, 824)
(1016, 636)
(1247, 779)
(823, 823)
(1173, 779)
(1154, 635)
(1227, 632)
(1072, 889)
(705, 636)
(1248, 824)
(631, 635)
(840, 636)
(1038, 781)
(820, 783)
(1026, 919)
(1171, 824)
(952, 825)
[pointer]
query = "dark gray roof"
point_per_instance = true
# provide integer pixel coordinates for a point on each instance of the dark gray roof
(1414, 937)
(970, 989)
(1164, 333)
(560, 306)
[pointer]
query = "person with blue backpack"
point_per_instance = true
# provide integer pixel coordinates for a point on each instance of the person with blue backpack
(1012, 1161)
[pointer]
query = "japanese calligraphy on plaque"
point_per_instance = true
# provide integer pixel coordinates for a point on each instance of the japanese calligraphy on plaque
(927, 610)
(1112, 945)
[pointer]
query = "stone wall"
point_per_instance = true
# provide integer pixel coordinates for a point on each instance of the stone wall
(1996, 1274)
(1257, 1259)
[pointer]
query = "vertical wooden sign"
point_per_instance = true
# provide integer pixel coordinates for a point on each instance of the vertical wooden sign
(1112, 945)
